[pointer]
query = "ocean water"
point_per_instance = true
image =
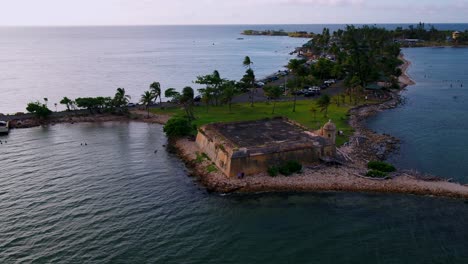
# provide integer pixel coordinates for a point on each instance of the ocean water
(117, 201)
(432, 123)
(53, 62)
(95, 61)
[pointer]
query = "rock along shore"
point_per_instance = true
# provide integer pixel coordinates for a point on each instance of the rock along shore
(364, 145)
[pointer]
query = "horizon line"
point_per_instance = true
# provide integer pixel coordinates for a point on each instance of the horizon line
(232, 24)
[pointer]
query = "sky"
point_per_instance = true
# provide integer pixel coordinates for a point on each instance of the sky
(187, 12)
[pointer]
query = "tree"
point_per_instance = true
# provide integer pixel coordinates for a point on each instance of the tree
(293, 90)
(39, 109)
(95, 103)
(172, 93)
(186, 98)
(213, 85)
(274, 93)
(247, 62)
(229, 91)
(67, 102)
(121, 99)
(177, 127)
(155, 88)
(146, 99)
(323, 103)
(294, 64)
(249, 80)
(314, 112)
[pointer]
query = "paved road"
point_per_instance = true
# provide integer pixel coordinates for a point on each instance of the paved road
(259, 95)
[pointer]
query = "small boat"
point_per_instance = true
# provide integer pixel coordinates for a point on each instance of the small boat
(4, 127)
(240, 38)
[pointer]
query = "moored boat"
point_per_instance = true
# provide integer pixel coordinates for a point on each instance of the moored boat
(4, 127)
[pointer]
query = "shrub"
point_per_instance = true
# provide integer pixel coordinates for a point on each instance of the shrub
(285, 169)
(211, 168)
(294, 166)
(273, 171)
(376, 174)
(39, 109)
(381, 166)
(178, 127)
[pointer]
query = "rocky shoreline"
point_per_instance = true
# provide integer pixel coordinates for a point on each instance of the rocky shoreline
(364, 145)
(72, 117)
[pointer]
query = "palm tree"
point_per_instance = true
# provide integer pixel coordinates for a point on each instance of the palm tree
(67, 102)
(314, 111)
(273, 93)
(121, 99)
(156, 90)
(146, 99)
(247, 62)
(249, 77)
(172, 93)
(229, 91)
(323, 103)
(186, 98)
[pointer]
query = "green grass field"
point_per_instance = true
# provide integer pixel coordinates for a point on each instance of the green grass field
(244, 112)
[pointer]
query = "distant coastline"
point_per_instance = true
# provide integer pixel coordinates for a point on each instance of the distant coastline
(295, 34)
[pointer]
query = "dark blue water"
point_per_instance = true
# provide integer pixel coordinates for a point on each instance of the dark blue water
(432, 124)
(116, 201)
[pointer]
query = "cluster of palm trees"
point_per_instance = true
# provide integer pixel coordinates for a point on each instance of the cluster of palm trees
(151, 96)
(118, 103)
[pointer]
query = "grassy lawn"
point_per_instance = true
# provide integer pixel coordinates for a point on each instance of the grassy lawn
(244, 112)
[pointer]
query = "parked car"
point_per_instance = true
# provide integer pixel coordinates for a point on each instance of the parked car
(298, 92)
(273, 78)
(259, 84)
(131, 105)
(282, 73)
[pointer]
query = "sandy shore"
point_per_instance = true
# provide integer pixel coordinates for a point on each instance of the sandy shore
(405, 79)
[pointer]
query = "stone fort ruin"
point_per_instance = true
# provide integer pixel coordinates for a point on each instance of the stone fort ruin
(250, 147)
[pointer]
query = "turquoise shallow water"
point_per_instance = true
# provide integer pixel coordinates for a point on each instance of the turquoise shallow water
(432, 123)
(116, 201)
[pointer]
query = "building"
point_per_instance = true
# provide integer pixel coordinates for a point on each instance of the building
(251, 147)
(455, 35)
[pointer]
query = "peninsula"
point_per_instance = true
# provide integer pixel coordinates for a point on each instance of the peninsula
(298, 130)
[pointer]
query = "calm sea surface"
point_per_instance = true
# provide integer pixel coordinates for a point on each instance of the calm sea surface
(116, 201)
(433, 121)
(54, 62)
(95, 61)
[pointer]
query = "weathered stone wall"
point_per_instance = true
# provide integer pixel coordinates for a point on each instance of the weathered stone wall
(215, 151)
(254, 164)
